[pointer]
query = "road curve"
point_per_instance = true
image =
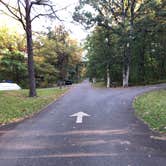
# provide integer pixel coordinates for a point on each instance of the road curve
(110, 136)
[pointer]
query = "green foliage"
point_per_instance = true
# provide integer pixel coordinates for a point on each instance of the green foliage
(12, 57)
(137, 38)
(13, 67)
(46, 74)
(57, 57)
(102, 52)
(149, 48)
(11, 41)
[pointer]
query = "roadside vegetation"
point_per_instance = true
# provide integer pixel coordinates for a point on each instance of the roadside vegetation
(57, 57)
(127, 44)
(16, 105)
(151, 108)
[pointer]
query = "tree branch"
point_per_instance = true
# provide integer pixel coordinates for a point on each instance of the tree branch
(140, 8)
(39, 15)
(22, 17)
(52, 11)
(111, 8)
(14, 15)
(9, 8)
(106, 26)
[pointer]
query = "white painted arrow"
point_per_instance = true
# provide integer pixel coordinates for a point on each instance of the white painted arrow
(79, 116)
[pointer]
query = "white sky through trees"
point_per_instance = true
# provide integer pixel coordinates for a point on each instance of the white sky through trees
(77, 31)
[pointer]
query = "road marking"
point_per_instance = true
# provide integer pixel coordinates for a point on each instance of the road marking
(79, 116)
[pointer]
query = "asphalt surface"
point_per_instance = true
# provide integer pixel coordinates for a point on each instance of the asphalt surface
(110, 136)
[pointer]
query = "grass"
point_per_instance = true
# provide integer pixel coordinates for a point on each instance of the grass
(16, 105)
(99, 84)
(102, 84)
(151, 108)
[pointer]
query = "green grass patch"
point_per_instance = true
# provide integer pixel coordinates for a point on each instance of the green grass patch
(16, 105)
(102, 84)
(99, 84)
(151, 107)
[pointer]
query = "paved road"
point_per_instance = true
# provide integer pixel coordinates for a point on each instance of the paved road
(111, 136)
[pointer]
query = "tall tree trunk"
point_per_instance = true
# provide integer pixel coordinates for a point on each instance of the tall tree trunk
(31, 72)
(126, 54)
(126, 67)
(126, 64)
(128, 45)
(108, 77)
(126, 70)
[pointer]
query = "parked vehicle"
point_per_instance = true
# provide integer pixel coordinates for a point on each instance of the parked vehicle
(9, 86)
(68, 82)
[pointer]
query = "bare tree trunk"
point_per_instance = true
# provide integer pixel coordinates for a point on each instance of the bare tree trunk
(126, 64)
(128, 46)
(94, 80)
(126, 70)
(31, 72)
(108, 77)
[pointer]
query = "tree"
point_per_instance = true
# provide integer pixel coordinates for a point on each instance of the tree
(144, 47)
(10, 40)
(104, 60)
(59, 53)
(149, 56)
(13, 66)
(67, 51)
(45, 60)
(115, 15)
(24, 12)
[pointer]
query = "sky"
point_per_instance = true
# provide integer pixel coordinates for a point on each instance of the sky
(77, 31)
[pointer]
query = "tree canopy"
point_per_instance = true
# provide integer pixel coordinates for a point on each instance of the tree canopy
(136, 43)
(57, 57)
